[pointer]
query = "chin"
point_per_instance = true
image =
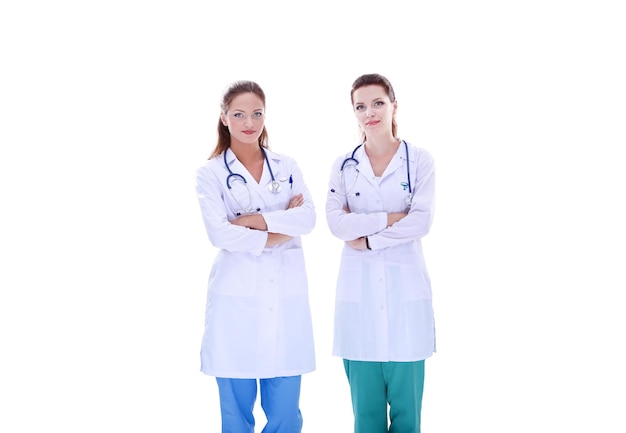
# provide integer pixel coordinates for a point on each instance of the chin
(249, 140)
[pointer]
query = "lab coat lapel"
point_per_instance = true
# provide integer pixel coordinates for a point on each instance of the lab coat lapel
(237, 167)
(396, 163)
(266, 177)
(365, 168)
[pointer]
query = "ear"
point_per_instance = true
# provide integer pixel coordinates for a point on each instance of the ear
(395, 107)
(223, 119)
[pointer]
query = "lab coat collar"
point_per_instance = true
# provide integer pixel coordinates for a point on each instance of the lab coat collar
(399, 159)
(273, 157)
(398, 162)
(277, 168)
(274, 160)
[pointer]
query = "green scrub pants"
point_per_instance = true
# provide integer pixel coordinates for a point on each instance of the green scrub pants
(381, 388)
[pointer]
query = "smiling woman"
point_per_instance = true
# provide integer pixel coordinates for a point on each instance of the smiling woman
(258, 329)
(384, 321)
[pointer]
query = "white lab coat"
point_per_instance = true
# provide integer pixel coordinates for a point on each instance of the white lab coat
(258, 320)
(383, 301)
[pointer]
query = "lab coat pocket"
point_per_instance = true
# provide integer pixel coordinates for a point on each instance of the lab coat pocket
(409, 277)
(294, 273)
(232, 275)
(420, 289)
(349, 281)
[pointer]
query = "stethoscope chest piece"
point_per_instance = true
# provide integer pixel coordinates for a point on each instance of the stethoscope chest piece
(274, 187)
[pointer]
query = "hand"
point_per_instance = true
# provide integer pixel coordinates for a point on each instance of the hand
(253, 221)
(296, 201)
(394, 217)
(358, 244)
(277, 239)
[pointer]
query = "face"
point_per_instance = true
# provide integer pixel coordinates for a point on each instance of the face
(374, 111)
(245, 118)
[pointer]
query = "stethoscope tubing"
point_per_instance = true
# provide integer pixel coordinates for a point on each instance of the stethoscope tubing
(274, 185)
(356, 161)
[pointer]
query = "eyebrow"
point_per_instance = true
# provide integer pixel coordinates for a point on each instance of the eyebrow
(373, 100)
(242, 110)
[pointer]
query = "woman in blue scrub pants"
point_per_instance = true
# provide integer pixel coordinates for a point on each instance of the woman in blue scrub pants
(380, 202)
(258, 331)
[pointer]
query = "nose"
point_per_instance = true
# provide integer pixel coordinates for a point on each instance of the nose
(369, 112)
(248, 121)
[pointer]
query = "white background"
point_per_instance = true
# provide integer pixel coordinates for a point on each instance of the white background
(107, 109)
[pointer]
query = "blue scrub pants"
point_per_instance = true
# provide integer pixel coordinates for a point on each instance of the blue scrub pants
(280, 401)
(374, 385)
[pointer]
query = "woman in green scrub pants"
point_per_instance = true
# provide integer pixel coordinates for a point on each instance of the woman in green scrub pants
(380, 202)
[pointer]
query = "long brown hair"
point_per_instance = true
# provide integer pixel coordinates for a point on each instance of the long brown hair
(376, 79)
(223, 134)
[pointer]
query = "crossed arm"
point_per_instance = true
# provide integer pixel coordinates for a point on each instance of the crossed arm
(257, 222)
(361, 243)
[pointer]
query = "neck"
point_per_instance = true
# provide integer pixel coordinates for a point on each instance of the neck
(381, 146)
(246, 152)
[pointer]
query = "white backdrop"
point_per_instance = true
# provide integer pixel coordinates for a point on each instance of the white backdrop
(107, 109)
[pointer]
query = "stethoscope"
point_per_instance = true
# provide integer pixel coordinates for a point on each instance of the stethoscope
(274, 186)
(351, 160)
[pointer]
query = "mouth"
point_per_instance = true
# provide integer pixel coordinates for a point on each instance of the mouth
(372, 122)
(248, 132)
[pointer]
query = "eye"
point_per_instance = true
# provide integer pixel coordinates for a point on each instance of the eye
(238, 115)
(379, 103)
(258, 114)
(359, 107)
